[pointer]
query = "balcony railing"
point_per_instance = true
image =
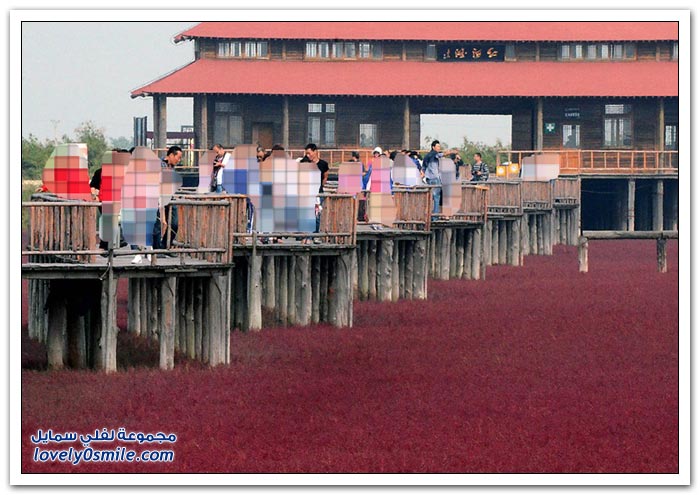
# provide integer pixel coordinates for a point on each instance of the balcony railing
(576, 162)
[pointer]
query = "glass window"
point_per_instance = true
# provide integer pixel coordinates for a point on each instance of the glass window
(229, 49)
(323, 49)
(617, 51)
(368, 135)
(311, 51)
(565, 52)
(510, 52)
(674, 51)
(262, 49)
(349, 50)
(671, 137)
(330, 132)
(604, 51)
(630, 50)
(618, 109)
(314, 134)
(377, 51)
(430, 52)
(330, 107)
(228, 129)
(315, 107)
(591, 52)
(337, 49)
(577, 51)
(364, 50)
(571, 133)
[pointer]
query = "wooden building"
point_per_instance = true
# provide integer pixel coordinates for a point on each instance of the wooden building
(602, 95)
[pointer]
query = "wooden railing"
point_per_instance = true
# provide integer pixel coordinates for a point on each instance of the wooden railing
(62, 227)
(505, 198)
(537, 195)
(413, 208)
(474, 205)
(566, 191)
(575, 162)
(339, 219)
(659, 235)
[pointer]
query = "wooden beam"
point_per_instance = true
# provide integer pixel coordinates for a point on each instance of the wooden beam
(623, 234)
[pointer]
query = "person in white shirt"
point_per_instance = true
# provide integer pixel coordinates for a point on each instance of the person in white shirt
(217, 175)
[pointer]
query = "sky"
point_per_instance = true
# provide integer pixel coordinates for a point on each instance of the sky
(73, 72)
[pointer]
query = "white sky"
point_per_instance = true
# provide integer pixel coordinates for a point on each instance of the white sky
(74, 72)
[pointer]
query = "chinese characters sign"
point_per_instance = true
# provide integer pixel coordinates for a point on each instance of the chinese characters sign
(469, 52)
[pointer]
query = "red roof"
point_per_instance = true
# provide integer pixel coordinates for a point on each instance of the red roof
(438, 31)
(216, 76)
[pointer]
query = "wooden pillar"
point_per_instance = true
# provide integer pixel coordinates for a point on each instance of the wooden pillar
(661, 142)
(315, 288)
(658, 213)
(304, 292)
(482, 249)
(631, 190)
(384, 269)
(583, 255)
(254, 292)
(201, 122)
(476, 246)
(395, 272)
(57, 336)
(463, 238)
(268, 274)
(372, 270)
(160, 121)
(419, 267)
(285, 122)
(547, 233)
(218, 320)
(363, 267)
(342, 292)
(661, 255)
(540, 124)
(291, 290)
(106, 353)
(445, 254)
(355, 272)
(486, 237)
(166, 334)
(411, 247)
(514, 231)
(406, 124)
(502, 243)
(282, 290)
(525, 234)
(495, 250)
(540, 235)
(134, 307)
(453, 253)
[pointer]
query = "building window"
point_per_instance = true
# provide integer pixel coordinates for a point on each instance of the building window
(618, 126)
(228, 129)
(598, 51)
(671, 137)
(565, 52)
(630, 51)
(350, 50)
(315, 107)
(314, 129)
(238, 49)
(571, 135)
(431, 52)
(617, 51)
(330, 132)
(591, 52)
(226, 107)
(510, 52)
(319, 49)
(330, 107)
(674, 51)
(368, 135)
(604, 52)
(369, 50)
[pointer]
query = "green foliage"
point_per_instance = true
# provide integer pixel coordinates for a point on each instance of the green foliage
(34, 156)
(96, 142)
(122, 142)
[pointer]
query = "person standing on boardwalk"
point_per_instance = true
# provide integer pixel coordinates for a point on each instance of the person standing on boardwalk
(163, 234)
(217, 174)
(311, 154)
(480, 171)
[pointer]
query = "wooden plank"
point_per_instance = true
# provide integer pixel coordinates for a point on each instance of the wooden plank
(623, 234)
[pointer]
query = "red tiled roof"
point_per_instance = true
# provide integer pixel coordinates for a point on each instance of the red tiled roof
(216, 76)
(438, 31)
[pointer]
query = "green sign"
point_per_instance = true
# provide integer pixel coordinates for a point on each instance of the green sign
(550, 128)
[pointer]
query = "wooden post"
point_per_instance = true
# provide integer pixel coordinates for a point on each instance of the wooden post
(395, 287)
(495, 249)
(419, 267)
(282, 288)
(324, 286)
(285, 122)
(363, 262)
(631, 186)
(384, 270)
(432, 254)
(525, 233)
(453, 253)
(57, 336)
(342, 292)
(406, 124)
(514, 231)
(160, 121)
(372, 270)
(482, 250)
(661, 140)
(315, 288)
(355, 272)
(304, 291)
(445, 254)
(540, 235)
(217, 303)
(254, 292)
(268, 269)
(291, 290)
(464, 239)
(410, 263)
(190, 330)
(402, 267)
(661, 255)
(502, 243)
(547, 233)
(486, 237)
(201, 350)
(583, 255)
(476, 246)
(167, 323)
(540, 124)
(658, 213)
(134, 307)
(106, 354)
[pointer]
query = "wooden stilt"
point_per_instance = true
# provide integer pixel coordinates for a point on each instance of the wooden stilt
(106, 354)
(363, 282)
(395, 272)
(540, 235)
(468, 256)
(515, 242)
(403, 248)
(167, 323)
(201, 349)
(189, 321)
(419, 268)
(462, 239)
(476, 247)
(58, 321)
(453, 254)
(283, 291)
(134, 307)
(292, 290)
(323, 293)
(445, 254)
(384, 277)
(355, 276)
(304, 291)
(661, 255)
(410, 263)
(372, 271)
(254, 292)
(525, 234)
(486, 238)
(316, 288)
(583, 255)
(342, 291)
(268, 270)
(502, 242)
(495, 248)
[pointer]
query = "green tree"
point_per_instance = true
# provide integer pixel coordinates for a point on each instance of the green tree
(122, 142)
(96, 142)
(34, 156)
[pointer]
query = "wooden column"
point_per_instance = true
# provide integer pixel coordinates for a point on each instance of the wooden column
(540, 124)
(661, 255)
(631, 190)
(419, 267)
(315, 288)
(291, 290)
(218, 319)
(658, 213)
(395, 273)
(463, 238)
(384, 254)
(372, 269)
(166, 334)
(160, 121)
(476, 247)
(304, 292)
(254, 292)
(495, 249)
(57, 337)
(445, 254)
(134, 307)
(342, 292)
(282, 293)
(285, 122)
(106, 353)
(661, 143)
(200, 120)
(583, 255)
(363, 267)
(502, 243)
(514, 231)
(268, 269)
(406, 124)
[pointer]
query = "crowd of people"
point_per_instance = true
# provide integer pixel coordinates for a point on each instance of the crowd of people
(428, 167)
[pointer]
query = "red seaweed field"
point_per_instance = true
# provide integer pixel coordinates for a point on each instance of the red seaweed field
(538, 369)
